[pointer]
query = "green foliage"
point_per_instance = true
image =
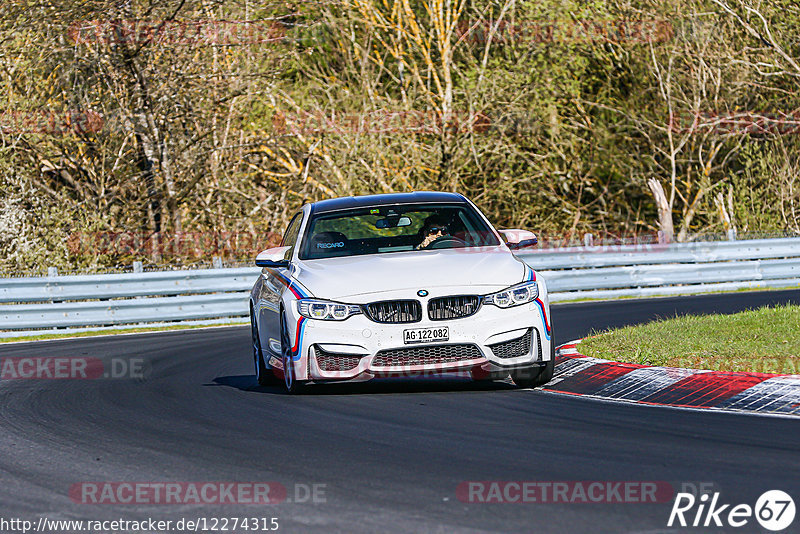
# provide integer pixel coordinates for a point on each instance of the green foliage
(577, 105)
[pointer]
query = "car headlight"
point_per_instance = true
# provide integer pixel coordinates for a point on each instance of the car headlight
(514, 295)
(325, 310)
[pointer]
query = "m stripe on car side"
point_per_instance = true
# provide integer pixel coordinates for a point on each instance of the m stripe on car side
(298, 338)
(298, 292)
(292, 286)
(530, 276)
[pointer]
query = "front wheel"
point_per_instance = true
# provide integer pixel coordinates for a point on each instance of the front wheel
(263, 375)
(293, 386)
(533, 377)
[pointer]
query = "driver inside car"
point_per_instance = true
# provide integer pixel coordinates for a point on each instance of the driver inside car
(434, 228)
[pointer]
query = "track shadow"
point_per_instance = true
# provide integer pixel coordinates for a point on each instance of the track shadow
(374, 386)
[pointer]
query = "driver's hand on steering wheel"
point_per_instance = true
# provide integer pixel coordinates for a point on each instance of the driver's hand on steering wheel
(430, 237)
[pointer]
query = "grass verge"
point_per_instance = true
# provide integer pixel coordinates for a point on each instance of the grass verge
(766, 340)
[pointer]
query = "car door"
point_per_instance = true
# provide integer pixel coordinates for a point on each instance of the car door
(274, 285)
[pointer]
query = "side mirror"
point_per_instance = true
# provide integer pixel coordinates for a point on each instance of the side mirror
(273, 257)
(517, 239)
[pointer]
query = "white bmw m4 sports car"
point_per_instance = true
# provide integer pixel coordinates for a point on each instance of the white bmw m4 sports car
(395, 285)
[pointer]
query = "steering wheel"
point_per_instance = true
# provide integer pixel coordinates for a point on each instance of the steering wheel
(446, 241)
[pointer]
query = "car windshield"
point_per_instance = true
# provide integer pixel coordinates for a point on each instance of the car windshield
(396, 228)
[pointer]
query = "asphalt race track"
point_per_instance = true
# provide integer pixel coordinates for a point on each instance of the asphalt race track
(389, 456)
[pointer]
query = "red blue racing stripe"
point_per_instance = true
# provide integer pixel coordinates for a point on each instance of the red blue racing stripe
(530, 276)
(291, 285)
(300, 293)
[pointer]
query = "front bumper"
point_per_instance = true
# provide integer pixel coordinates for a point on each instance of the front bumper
(492, 341)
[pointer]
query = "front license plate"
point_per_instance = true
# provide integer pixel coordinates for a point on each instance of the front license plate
(426, 335)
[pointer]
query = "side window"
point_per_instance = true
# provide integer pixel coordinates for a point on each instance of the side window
(290, 237)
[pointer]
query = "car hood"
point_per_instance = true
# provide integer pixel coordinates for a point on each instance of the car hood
(492, 268)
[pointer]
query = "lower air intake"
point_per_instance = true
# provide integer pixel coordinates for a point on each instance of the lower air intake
(427, 355)
(331, 362)
(516, 347)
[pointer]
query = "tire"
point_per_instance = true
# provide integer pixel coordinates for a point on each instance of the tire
(264, 376)
(290, 382)
(533, 377)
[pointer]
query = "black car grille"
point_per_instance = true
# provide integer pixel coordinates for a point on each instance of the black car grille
(516, 347)
(395, 311)
(426, 355)
(329, 361)
(442, 308)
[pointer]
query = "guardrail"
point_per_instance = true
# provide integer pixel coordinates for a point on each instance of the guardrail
(675, 269)
(572, 273)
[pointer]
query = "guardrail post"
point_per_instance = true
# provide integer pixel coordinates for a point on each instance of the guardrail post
(588, 240)
(731, 234)
(216, 261)
(137, 267)
(52, 271)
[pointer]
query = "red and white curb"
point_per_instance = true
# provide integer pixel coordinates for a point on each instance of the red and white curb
(577, 374)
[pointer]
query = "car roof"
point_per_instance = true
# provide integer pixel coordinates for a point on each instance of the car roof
(344, 203)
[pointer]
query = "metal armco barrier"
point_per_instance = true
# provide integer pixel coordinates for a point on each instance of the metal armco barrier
(676, 269)
(114, 299)
(573, 273)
